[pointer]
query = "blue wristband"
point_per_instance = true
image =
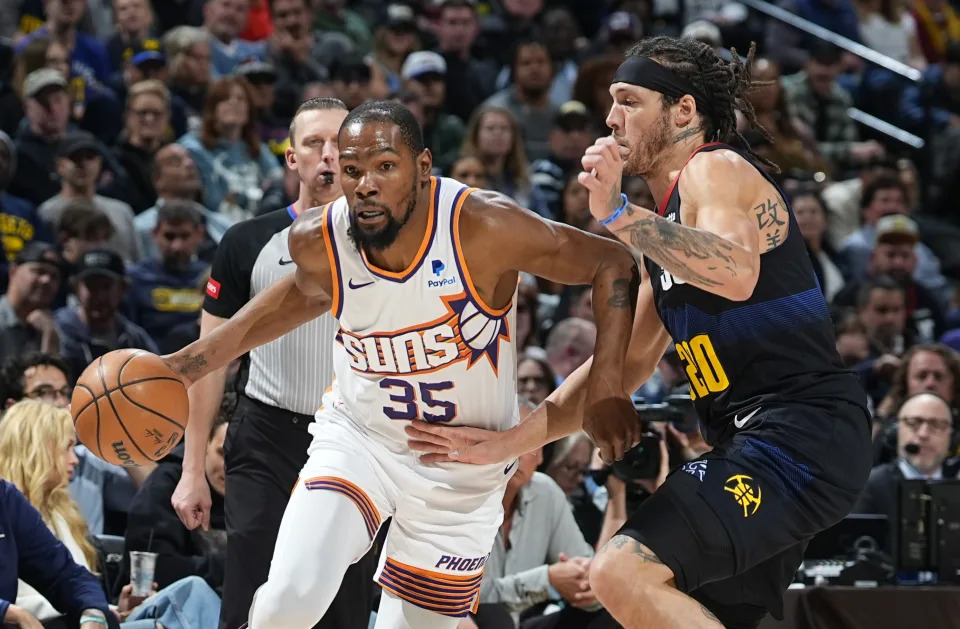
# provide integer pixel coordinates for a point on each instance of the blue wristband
(102, 621)
(618, 211)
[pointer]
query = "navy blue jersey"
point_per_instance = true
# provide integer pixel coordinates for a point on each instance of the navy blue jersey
(776, 347)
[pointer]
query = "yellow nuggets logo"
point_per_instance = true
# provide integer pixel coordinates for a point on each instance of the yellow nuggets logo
(742, 488)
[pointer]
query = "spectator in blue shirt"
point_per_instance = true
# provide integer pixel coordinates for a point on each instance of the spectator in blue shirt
(235, 166)
(88, 57)
(165, 290)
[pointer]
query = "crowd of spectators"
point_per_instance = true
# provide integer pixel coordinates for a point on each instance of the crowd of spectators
(133, 133)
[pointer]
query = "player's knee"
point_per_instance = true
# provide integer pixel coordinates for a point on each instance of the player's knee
(624, 570)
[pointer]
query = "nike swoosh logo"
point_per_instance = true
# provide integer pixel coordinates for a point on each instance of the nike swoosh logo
(352, 285)
(285, 262)
(740, 423)
(507, 469)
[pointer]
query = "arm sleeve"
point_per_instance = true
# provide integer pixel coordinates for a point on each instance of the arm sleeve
(46, 564)
(229, 286)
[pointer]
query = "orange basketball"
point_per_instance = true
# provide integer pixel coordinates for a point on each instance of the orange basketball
(129, 408)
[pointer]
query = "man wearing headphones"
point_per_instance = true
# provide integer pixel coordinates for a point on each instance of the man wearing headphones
(924, 430)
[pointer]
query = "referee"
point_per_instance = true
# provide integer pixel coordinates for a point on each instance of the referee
(267, 441)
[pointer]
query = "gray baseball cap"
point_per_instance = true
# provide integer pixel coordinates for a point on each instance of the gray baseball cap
(42, 79)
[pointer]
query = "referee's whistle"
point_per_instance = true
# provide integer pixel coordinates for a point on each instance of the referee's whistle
(328, 178)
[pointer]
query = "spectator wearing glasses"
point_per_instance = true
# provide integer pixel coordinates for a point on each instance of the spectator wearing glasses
(35, 376)
(924, 424)
(102, 491)
(145, 132)
(535, 378)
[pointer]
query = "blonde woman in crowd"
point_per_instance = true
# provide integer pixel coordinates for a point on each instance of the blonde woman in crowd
(37, 443)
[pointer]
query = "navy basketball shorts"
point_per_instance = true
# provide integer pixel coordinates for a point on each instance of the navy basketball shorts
(732, 524)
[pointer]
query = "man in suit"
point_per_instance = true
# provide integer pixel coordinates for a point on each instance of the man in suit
(924, 426)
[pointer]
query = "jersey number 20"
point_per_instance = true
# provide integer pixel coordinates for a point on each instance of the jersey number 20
(407, 407)
(704, 370)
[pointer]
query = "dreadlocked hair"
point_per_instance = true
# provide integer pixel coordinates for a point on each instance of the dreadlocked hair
(724, 84)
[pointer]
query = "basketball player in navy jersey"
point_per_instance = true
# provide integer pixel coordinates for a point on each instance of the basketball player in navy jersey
(727, 281)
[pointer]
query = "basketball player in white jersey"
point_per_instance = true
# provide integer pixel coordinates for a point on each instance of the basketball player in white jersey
(421, 273)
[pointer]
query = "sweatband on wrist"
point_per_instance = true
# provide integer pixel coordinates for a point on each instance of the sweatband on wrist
(616, 214)
(102, 621)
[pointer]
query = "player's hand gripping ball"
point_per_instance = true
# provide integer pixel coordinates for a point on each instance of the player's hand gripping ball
(129, 407)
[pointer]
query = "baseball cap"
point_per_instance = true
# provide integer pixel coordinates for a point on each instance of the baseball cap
(39, 251)
(42, 79)
(75, 142)
(101, 262)
(255, 69)
(144, 50)
(703, 31)
(400, 17)
(422, 63)
(897, 229)
(572, 116)
(624, 24)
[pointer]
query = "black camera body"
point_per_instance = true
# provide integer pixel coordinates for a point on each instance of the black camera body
(641, 462)
(676, 409)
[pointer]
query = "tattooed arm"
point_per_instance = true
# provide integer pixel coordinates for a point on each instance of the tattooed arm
(283, 306)
(739, 215)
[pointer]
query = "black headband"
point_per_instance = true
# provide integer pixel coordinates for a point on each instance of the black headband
(645, 72)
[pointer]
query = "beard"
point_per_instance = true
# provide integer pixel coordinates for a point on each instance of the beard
(646, 153)
(379, 239)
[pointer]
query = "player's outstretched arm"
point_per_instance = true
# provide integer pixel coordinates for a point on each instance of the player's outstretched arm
(283, 306)
(721, 253)
(512, 239)
(561, 414)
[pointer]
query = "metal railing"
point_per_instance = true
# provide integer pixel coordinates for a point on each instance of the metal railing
(867, 54)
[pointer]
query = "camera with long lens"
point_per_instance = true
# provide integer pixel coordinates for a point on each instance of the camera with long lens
(676, 409)
(643, 461)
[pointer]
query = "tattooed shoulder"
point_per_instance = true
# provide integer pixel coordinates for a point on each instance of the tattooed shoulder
(772, 221)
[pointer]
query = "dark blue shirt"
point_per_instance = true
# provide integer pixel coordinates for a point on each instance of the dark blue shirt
(89, 58)
(159, 300)
(20, 224)
(29, 551)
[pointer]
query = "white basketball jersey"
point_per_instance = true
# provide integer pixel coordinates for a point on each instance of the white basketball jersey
(419, 344)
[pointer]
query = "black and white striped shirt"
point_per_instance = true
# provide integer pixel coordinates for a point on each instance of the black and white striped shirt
(293, 371)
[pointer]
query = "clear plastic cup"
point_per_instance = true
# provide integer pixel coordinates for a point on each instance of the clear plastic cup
(143, 565)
